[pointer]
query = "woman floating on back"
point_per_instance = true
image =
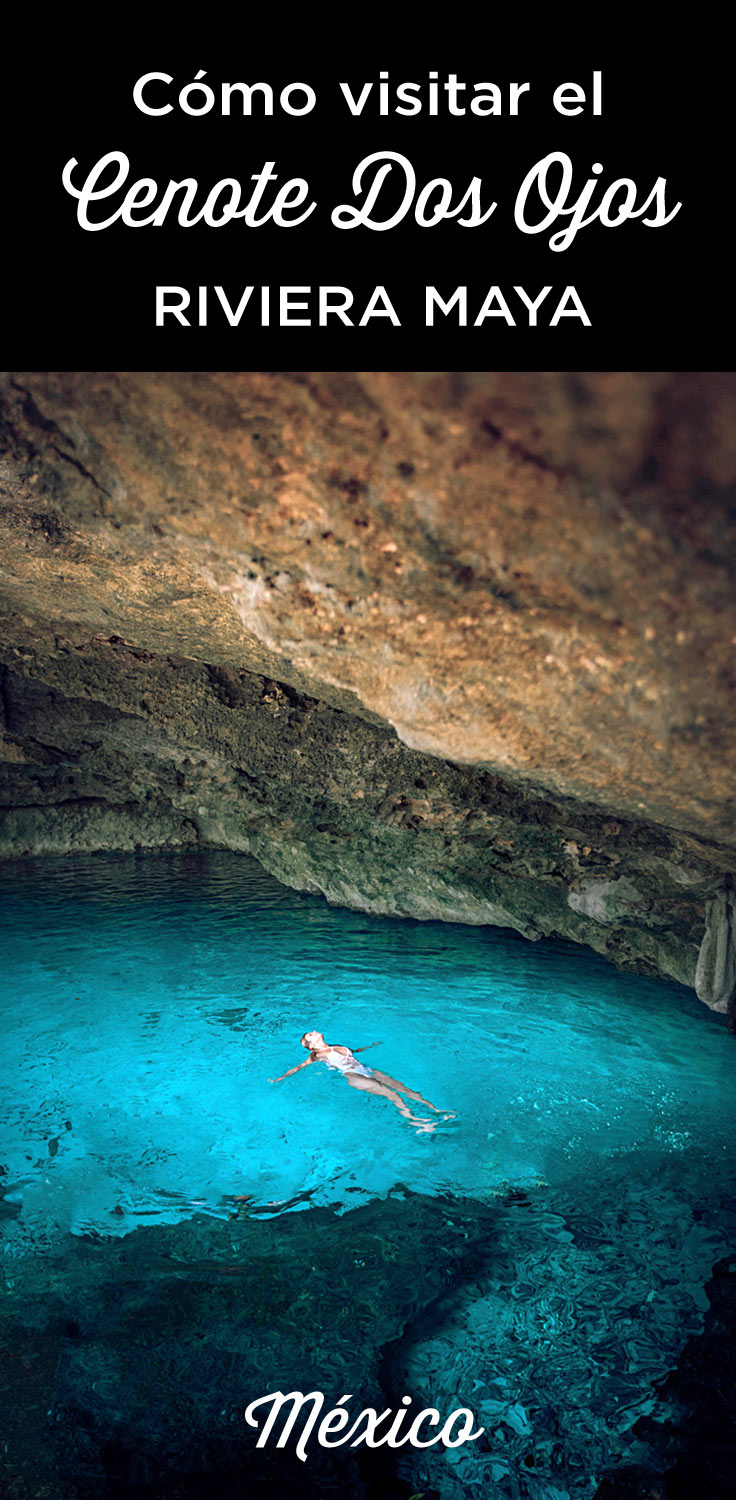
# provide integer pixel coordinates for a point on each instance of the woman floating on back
(370, 1080)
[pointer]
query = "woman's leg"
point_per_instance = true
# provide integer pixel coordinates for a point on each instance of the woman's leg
(411, 1093)
(373, 1086)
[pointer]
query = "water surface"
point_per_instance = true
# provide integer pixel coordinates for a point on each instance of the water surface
(147, 1001)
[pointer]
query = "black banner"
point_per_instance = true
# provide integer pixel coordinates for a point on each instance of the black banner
(336, 203)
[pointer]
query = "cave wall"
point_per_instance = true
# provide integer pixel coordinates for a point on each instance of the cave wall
(454, 648)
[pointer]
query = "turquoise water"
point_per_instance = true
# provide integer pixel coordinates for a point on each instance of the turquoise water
(147, 1001)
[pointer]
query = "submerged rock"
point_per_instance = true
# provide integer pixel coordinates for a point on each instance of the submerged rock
(131, 1361)
(150, 1348)
(693, 1451)
(440, 647)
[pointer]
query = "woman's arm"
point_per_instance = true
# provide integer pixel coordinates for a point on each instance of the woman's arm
(292, 1070)
(366, 1049)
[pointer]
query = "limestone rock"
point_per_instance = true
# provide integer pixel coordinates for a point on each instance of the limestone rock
(715, 975)
(436, 645)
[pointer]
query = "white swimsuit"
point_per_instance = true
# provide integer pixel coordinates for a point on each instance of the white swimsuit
(349, 1064)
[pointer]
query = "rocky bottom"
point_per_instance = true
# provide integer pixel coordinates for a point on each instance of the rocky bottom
(127, 1364)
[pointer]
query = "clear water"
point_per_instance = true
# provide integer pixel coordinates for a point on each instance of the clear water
(147, 1001)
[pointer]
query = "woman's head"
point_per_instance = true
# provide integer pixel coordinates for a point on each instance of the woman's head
(312, 1039)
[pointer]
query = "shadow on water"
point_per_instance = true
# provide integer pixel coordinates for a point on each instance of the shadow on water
(179, 1236)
